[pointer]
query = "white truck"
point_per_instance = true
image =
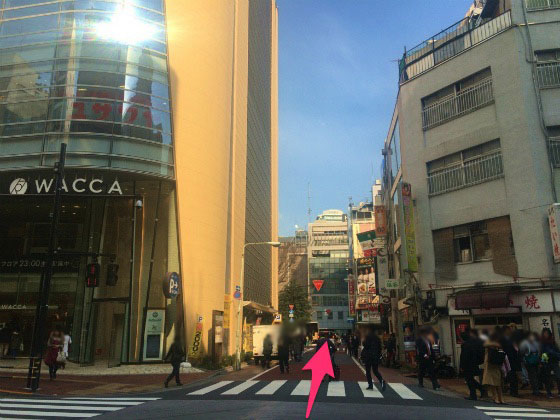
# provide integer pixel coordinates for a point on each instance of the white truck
(259, 334)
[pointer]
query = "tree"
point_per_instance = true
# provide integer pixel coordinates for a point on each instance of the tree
(292, 294)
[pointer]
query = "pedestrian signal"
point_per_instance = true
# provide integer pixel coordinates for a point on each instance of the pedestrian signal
(92, 275)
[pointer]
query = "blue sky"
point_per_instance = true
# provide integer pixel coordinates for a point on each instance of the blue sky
(337, 89)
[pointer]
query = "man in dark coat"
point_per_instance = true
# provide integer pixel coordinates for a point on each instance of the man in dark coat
(175, 356)
(512, 354)
(470, 359)
(371, 353)
(284, 353)
(426, 360)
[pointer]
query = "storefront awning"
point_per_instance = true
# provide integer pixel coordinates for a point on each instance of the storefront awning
(483, 299)
(258, 307)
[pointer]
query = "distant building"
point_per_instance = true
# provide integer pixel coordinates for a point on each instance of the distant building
(328, 270)
(292, 260)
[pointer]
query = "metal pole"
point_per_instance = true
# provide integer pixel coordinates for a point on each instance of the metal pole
(36, 354)
(240, 312)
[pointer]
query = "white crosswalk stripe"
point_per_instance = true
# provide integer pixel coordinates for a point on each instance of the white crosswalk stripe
(240, 388)
(403, 391)
(370, 393)
(33, 408)
(302, 388)
(510, 413)
(272, 387)
(211, 388)
(334, 389)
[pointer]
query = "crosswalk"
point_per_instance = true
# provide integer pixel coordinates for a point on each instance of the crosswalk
(284, 388)
(78, 407)
(511, 413)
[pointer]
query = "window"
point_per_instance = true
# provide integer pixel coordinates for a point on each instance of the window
(471, 243)
(36, 24)
(395, 151)
(319, 314)
(465, 96)
(463, 169)
(330, 315)
(340, 314)
(548, 68)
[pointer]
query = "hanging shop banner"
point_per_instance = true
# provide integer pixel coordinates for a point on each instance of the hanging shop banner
(382, 273)
(195, 348)
(351, 295)
(380, 221)
(409, 229)
(318, 284)
(366, 239)
(171, 285)
(553, 220)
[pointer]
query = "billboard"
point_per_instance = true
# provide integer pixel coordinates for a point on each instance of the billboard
(409, 228)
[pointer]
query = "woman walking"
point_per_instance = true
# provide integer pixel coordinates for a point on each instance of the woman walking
(175, 356)
(54, 357)
(494, 358)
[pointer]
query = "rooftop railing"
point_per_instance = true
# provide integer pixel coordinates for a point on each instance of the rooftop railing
(463, 175)
(548, 74)
(448, 43)
(453, 106)
(542, 4)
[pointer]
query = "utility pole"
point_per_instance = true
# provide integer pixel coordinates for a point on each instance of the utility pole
(37, 343)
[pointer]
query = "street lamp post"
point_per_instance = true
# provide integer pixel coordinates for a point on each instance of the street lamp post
(239, 333)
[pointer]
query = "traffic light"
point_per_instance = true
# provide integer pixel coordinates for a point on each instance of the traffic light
(112, 274)
(92, 275)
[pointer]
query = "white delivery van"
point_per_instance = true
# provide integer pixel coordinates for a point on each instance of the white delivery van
(259, 333)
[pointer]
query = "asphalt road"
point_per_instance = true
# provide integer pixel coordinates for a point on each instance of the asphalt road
(257, 394)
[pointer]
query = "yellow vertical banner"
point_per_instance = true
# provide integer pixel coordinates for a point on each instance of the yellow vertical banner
(194, 349)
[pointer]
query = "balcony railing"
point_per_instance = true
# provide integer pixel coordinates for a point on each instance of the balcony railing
(548, 74)
(452, 106)
(448, 43)
(476, 171)
(554, 148)
(542, 4)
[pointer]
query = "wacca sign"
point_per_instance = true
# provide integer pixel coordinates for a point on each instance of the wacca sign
(79, 185)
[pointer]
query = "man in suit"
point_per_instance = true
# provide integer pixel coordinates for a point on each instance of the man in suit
(371, 353)
(470, 359)
(425, 358)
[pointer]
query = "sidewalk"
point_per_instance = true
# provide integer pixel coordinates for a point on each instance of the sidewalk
(98, 379)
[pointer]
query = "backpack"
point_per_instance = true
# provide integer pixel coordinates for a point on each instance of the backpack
(532, 359)
(496, 356)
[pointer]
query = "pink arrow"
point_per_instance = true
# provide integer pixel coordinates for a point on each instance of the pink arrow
(319, 365)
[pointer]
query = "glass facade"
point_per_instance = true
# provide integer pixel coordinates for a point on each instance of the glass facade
(89, 73)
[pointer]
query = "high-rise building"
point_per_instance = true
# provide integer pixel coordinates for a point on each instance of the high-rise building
(328, 270)
(292, 260)
(471, 171)
(169, 112)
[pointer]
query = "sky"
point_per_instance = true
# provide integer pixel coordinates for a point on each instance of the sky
(337, 89)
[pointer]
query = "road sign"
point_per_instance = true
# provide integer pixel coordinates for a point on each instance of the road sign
(291, 307)
(318, 284)
(237, 293)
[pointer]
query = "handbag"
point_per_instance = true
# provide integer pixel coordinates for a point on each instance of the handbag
(61, 358)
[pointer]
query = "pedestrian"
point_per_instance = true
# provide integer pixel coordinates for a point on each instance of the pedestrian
(371, 353)
(512, 353)
(175, 356)
(425, 358)
(67, 343)
(469, 365)
(16, 342)
(530, 350)
(493, 360)
(54, 357)
(391, 349)
(284, 353)
(267, 351)
(549, 359)
(355, 345)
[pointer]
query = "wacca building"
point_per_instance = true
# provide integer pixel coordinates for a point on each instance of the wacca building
(470, 175)
(169, 113)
